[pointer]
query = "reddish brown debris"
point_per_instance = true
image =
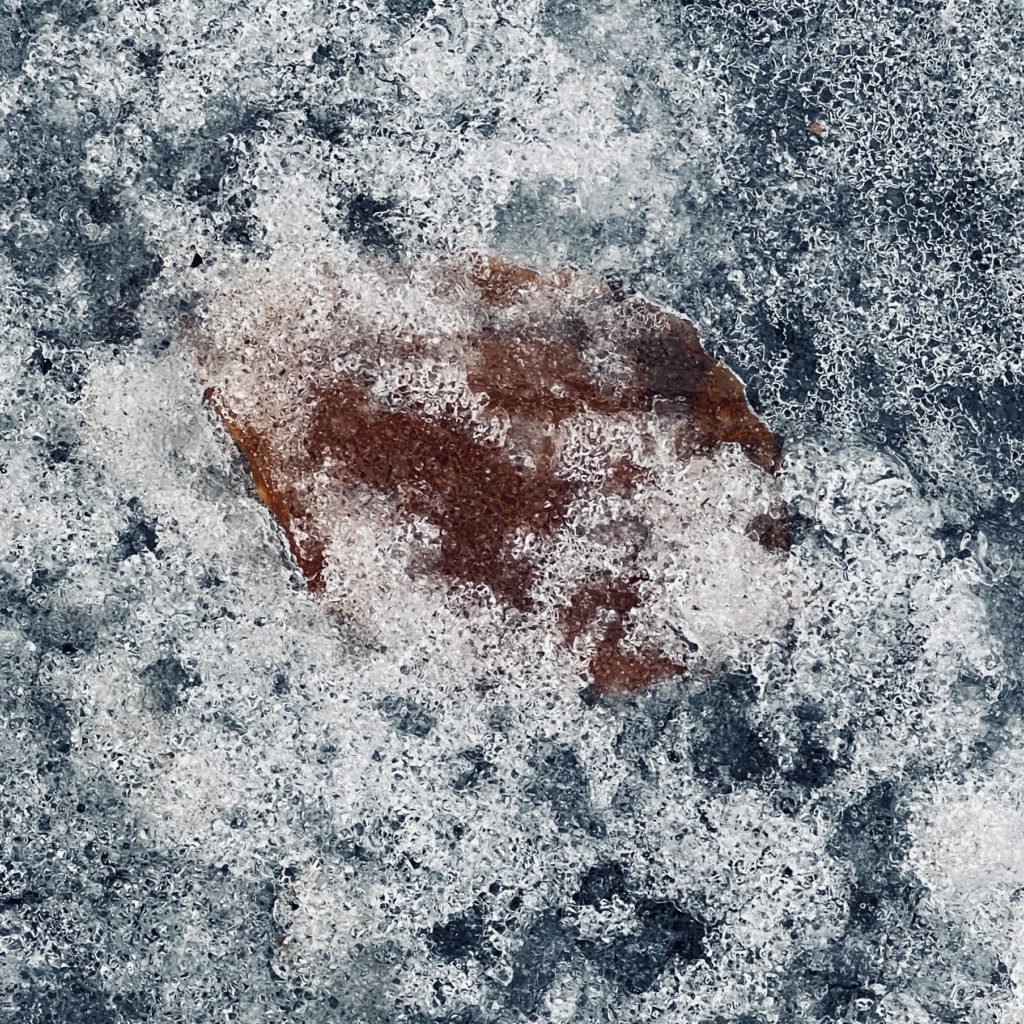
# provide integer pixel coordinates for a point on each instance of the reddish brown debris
(432, 469)
(535, 360)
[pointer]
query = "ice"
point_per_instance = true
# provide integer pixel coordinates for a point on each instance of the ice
(420, 826)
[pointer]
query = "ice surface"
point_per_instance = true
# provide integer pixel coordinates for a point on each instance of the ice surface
(219, 805)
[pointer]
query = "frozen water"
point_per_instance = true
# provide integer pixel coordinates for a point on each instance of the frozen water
(217, 804)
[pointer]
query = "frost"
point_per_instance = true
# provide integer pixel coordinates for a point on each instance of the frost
(219, 803)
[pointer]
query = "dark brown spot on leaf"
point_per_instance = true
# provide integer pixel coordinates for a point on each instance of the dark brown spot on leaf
(470, 491)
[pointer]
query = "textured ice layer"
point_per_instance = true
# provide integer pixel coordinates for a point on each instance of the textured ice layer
(215, 802)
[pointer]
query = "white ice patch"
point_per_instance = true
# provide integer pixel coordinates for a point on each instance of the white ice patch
(968, 852)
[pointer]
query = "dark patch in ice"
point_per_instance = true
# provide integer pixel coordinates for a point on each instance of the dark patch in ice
(150, 58)
(665, 931)
(167, 682)
(13, 41)
(40, 361)
(728, 748)
(340, 123)
(209, 163)
(1004, 696)
(883, 921)
(461, 935)
(790, 344)
(1000, 406)
(407, 716)
(480, 769)
(54, 627)
(71, 996)
(462, 1015)
(51, 719)
(408, 11)
(645, 719)
(139, 535)
(635, 962)
(601, 884)
(476, 122)
(872, 837)
(814, 764)
(535, 964)
(632, 962)
(561, 782)
(563, 19)
(58, 452)
(848, 996)
(205, 167)
(530, 213)
(369, 221)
